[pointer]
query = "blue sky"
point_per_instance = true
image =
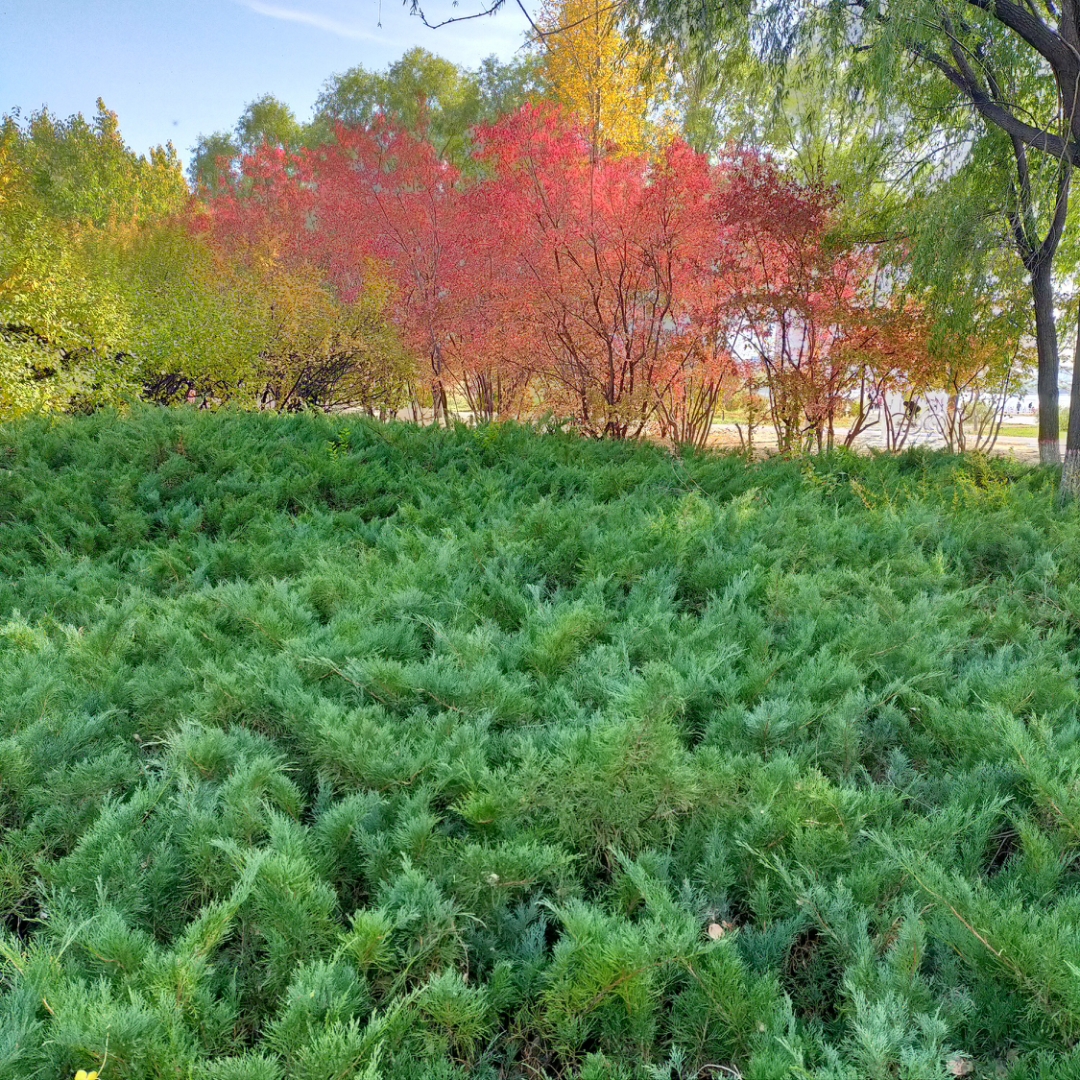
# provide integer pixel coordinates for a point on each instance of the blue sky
(175, 69)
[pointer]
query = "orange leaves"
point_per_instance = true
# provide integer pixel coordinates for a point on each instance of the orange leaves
(825, 333)
(612, 264)
(630, 292)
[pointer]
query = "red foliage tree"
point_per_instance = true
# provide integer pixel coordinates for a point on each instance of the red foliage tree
(263, 215)
(629, 293)
(808, 312)
(384, 194)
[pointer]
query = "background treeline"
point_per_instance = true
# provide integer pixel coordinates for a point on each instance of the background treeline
(592, 232)
(407, 753)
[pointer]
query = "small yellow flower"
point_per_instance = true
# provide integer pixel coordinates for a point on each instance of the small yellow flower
(82, 1074)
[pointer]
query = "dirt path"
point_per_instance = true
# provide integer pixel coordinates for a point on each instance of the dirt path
(726, 437)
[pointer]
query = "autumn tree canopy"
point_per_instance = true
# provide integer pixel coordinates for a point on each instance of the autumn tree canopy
(526, 240)
(597, 73)
(632, 293)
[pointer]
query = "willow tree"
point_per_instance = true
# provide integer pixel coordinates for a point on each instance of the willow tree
(1014, 66)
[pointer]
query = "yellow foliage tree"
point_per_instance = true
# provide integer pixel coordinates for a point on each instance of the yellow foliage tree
(595, 71)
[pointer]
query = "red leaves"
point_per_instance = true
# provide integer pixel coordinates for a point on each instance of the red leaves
(612, 264)
(268, 208)
(616, 290)
(813, 315)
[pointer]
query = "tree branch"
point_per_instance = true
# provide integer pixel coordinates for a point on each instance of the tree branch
(997, 114)
(1044, 40)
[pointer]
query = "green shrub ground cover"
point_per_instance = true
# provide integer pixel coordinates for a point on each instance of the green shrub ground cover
(410, 753)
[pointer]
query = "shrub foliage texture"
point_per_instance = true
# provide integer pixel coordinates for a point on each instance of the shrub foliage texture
(416, 753)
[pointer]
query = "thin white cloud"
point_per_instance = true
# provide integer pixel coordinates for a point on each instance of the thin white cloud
(310, 18)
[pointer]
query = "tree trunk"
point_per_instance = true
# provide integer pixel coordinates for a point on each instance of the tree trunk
(1042, 289)
(1070, 474)
(954, 439)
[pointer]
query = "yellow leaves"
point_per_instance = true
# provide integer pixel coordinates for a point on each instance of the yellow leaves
(302, 331)
(596, 72)
(7, 164)
(8, 284)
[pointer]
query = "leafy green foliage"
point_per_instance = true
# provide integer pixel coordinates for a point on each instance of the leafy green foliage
(108, 292)
(427, 94)
(394, 752)
(265, 121)
(71, 192)
(421, 92)
(82, 171)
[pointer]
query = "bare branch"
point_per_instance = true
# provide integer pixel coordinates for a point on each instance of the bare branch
(416, 9)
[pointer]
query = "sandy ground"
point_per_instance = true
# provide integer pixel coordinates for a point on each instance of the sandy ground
(1014, 446)
(726, 436)
(1026, 449)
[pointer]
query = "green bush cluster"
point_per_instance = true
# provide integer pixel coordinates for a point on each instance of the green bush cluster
(405, 753)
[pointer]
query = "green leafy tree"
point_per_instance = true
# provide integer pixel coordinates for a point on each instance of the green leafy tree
(72, 190)
(82, 171)
(212, 161)
(425, 93)
(421, 91)
(192, 329)
(265, 120)
(507, 85)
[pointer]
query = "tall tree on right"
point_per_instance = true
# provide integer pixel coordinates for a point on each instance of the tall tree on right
(1016, 66)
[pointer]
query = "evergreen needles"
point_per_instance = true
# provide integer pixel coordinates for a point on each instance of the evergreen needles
(423, 754)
